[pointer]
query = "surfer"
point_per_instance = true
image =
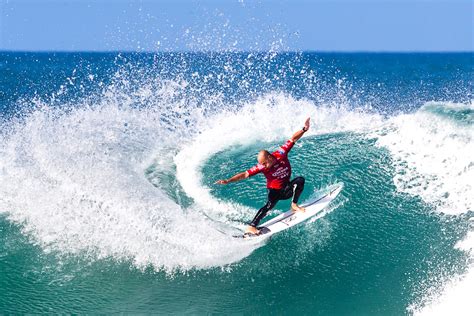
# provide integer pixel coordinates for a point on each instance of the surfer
(277, 169)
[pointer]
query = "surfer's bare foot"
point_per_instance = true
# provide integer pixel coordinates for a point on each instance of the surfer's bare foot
(252, 230)
(296, 208)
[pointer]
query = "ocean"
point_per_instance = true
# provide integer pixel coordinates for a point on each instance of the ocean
(108, 163)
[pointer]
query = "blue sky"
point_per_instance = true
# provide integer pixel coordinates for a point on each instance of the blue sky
(338, 25)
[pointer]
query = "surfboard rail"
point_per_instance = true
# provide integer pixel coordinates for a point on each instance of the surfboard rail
(290, 218)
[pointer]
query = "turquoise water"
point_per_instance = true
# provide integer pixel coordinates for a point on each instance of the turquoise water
(107, 165)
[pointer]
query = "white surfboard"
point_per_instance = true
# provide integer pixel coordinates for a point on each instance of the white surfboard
(289, 219)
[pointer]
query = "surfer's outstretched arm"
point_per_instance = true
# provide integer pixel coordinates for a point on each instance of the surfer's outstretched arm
(237, 177)
(300, 133)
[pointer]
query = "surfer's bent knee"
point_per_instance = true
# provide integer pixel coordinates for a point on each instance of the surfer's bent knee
(299, 181)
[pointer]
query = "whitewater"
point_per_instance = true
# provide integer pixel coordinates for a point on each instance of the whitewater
(125, 174)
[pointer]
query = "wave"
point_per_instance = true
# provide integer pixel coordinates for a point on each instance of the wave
(271, 118)
(75, 178)
(432, 154)
(120, 175)
(75, 182)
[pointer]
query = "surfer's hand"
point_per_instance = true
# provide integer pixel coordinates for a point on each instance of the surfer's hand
(221, 182)
(306, 124)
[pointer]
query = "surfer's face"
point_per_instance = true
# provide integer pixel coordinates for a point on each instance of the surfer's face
(266, 159)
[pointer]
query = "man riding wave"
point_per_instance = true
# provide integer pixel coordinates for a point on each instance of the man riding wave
(277, 169)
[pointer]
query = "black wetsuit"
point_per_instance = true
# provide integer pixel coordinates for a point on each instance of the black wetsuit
(292, 189)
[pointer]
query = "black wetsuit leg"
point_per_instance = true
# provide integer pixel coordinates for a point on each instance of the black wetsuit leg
(295, 188)
(292, 189)
(273, 197)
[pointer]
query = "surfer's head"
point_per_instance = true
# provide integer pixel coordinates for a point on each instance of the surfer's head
(265, 158)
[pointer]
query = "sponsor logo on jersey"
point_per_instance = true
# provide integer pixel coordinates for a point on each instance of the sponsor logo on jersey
(281, 173)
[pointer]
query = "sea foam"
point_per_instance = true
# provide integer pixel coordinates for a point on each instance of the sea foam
(432, 154)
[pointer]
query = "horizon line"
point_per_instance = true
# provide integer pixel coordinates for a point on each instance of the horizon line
(240, 51)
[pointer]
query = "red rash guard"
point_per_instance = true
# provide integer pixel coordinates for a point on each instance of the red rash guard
(279, 174)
